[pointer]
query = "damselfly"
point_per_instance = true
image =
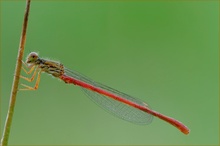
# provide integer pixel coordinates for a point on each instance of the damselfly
(118, 103)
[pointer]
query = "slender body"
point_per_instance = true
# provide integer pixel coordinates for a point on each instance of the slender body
(116, 102)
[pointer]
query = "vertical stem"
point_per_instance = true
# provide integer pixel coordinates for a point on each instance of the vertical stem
(6, 132)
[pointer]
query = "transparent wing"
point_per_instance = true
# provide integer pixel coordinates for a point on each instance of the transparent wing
(114, 107)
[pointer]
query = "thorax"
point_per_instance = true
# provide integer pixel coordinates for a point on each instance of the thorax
(51, 67)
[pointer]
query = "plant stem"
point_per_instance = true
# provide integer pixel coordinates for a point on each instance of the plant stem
(6, 132)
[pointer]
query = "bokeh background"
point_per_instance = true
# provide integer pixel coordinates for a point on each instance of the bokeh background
(163, 52)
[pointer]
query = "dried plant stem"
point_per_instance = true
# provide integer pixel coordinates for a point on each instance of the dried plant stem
(6, 132)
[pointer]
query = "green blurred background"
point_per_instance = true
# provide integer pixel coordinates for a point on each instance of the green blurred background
(165, 53)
